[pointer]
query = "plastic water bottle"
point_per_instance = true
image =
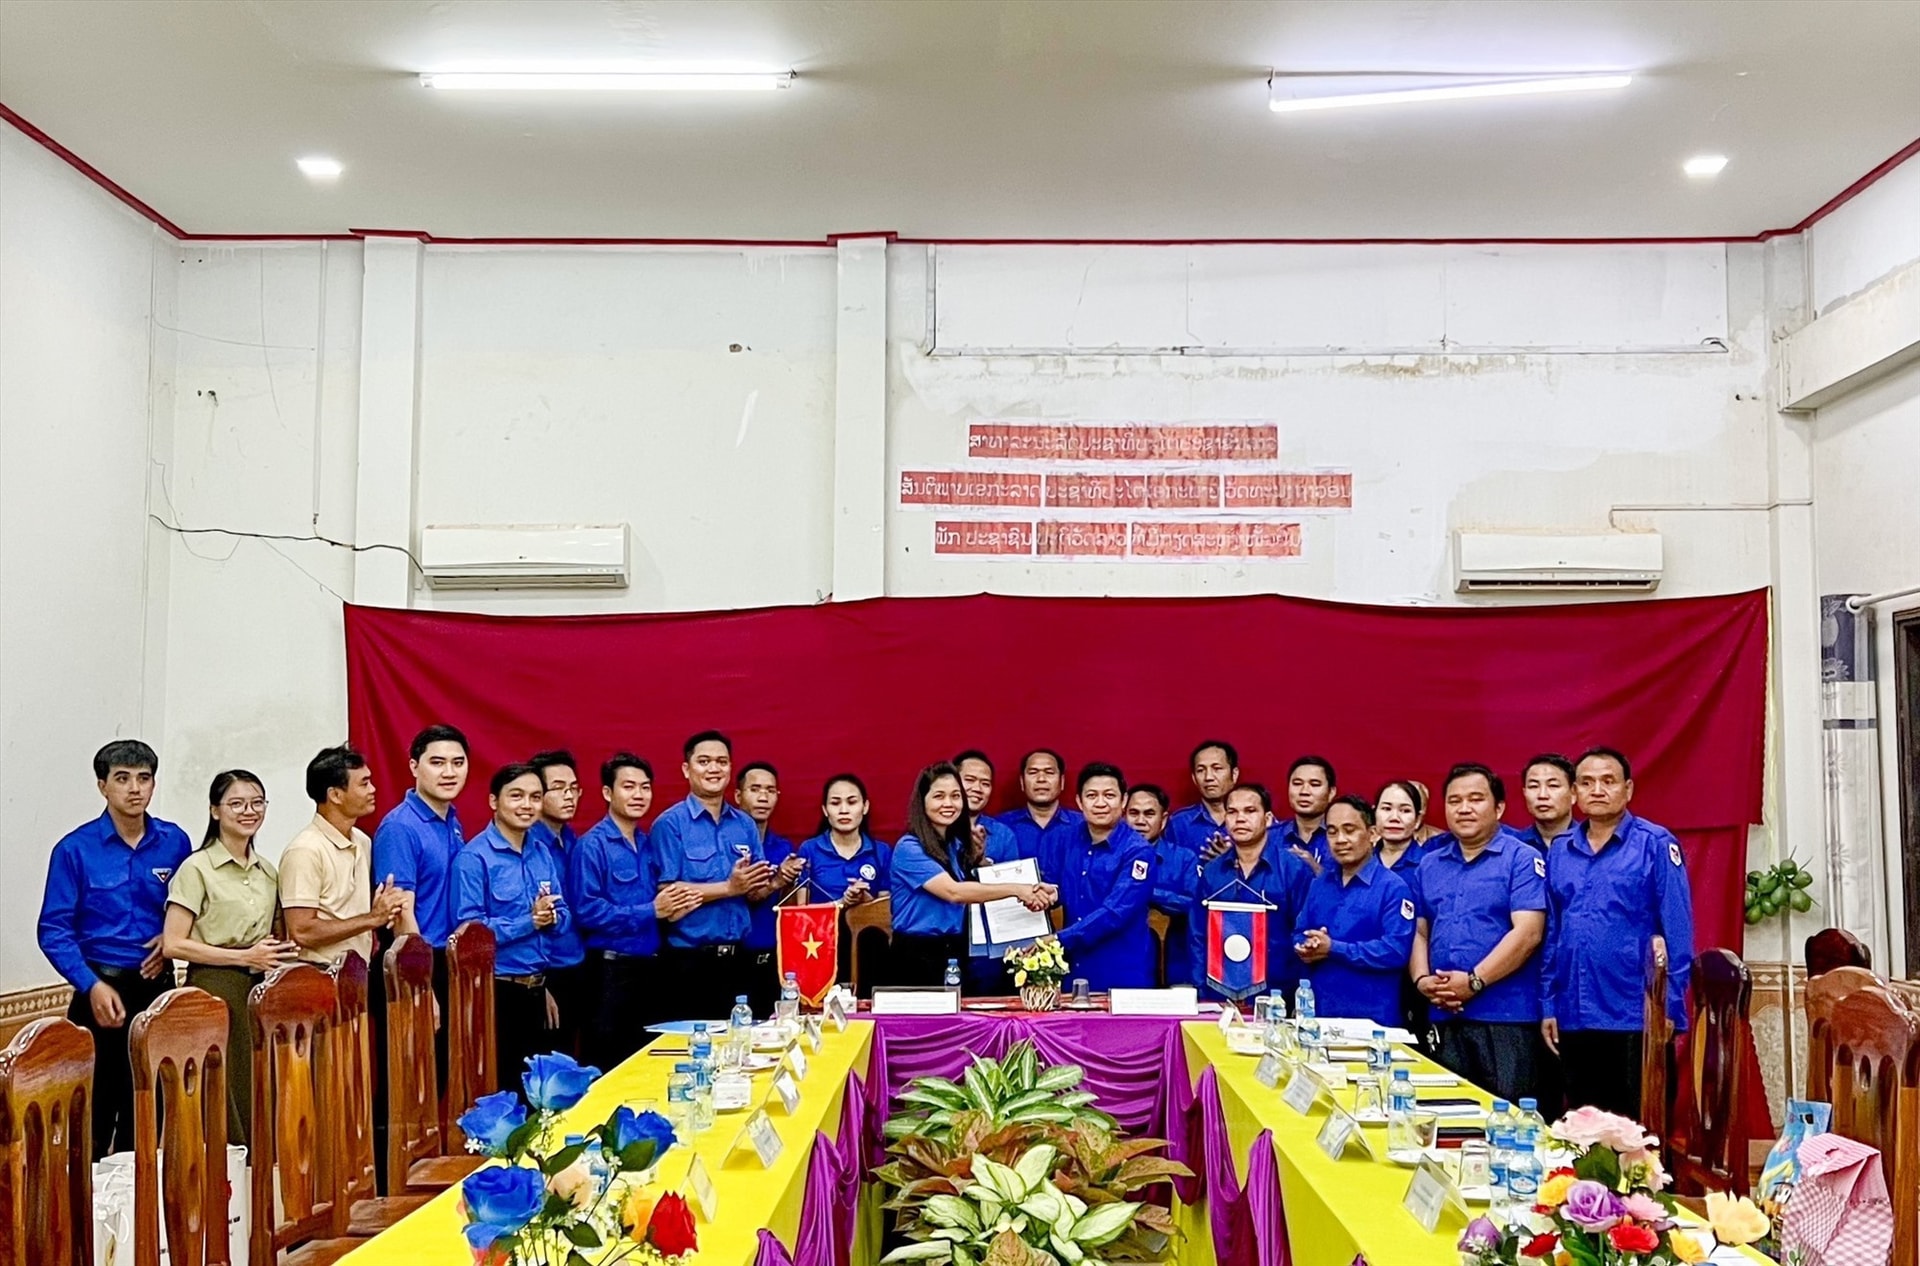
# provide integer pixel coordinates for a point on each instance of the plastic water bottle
(702, 1113)
(1528, 1118)
(1523, 1172)
(1400, 1103)
(700, 1050)
(1307, 1019)
(680, 1101)
(1500, 1123)
(789, 1010)
(1379, 1054)
(739, 1033)
(953, 973)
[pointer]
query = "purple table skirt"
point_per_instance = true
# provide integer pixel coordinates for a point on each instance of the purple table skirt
(1137, 1065)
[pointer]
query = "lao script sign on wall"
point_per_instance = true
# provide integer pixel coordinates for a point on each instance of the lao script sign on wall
(1151, 492)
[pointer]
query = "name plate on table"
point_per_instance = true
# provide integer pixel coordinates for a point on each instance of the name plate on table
(837, 1010)
(1340, 1132)
(759, 1135)
(814, 1031)
(789, 1091)
(706, 1201)
(1180, 1000)
(1229, 1016)
(891, 1000)
(1267, 1071)
(797, 1062)
(1430, 1193)
(1303, 1089)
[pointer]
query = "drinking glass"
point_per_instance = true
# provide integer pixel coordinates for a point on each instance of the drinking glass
(1081, 993)
(1424, 1129)
(1475, 1164)
(1367, 1100)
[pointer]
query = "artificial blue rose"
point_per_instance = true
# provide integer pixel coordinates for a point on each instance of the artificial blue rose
(639, 1139)
(500, 1199)
(491, 1122)
(555, 1083)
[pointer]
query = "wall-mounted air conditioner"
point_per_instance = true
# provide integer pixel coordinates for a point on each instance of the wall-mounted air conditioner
(525, 556)
(1618, 562)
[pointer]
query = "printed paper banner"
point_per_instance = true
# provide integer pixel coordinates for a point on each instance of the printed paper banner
(1294, 491)
(1215, 540)
(968, 488)
(982, 538)
(1039, 441)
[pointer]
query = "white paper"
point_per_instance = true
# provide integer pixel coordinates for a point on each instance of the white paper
(1180, 1000)
(837, 1011)
(1009, 922)
(1267, 1071)
(1303, 1088)
(798, 1062)
(891, 1001)
(789, 1092)
(1340, 1031)
(762, 1137)
(706, 1201)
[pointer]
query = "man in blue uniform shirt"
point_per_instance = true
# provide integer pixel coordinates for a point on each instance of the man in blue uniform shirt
(1194, 836)
(1043, 776)
(1355, 931)
(561, 772)
(618, 905)
(1262, 864)
(1480, 897)
(993, 836)
(714, 848)
(1311, 787)
(512, 881)
(1547, 784)
(1104, 873)
(756, 789)
(100, 919)
(1617, 890)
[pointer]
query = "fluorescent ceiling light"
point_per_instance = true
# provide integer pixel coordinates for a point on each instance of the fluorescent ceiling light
(319, 168)
(1704, 165)
(607, 81)
(1452, 92)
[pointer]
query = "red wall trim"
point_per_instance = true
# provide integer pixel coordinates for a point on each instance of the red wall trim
(92, 173)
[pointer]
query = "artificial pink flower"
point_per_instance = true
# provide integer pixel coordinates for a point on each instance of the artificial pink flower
(1645, 1208)
(1584, 1127)
(1653, 1176)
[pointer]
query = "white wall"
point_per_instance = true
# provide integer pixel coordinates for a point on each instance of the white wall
(1866, 238)
(77, 279)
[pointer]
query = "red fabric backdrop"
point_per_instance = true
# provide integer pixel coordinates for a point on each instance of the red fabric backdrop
(886, 686)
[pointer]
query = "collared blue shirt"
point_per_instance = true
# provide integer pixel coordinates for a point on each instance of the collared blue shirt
(1530, 834)
(1001, 843)
(561, 844)
(417, 846)
(1369, 923)
(1287, 831)
(1104, 887)
(1403, 865)
(610, 882)
(1606, 907)
(105, 901)
(1468, 907)
(495, 884)
(1176, 875)
(831, 874)
(693, 845)
(762, 918)
(917, 912)
(1030, 835)
(1278, 876)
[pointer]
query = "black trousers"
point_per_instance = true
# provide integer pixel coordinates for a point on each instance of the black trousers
(1502, 1059)
(1602, 1068)
(702, 981)
(519, 1027)
(922, 960)
(627, 997)
(573, 993)
(112, 1069)
(762, 977)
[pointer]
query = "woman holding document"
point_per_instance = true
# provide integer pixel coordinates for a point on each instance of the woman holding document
(934, 869)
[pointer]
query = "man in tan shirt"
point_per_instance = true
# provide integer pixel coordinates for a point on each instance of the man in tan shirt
(325, 884)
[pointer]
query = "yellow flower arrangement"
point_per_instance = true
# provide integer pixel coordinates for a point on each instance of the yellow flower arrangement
(1687, 1247)
(1553, 1192)
(1734, 1220)
(1044, 961)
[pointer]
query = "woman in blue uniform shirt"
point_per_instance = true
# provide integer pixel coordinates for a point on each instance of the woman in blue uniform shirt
(932, 880)
(1396, 822)
(842, 862)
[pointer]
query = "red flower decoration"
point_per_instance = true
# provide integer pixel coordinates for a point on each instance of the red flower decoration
(1631, 1237)
(1541, 1245)
(1565, 1171)
(671, 1228)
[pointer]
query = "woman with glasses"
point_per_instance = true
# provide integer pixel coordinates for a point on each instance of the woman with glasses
(223, 910)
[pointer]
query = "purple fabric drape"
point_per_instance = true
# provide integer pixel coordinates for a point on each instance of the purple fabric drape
(1248, 1223)
(830, 1207)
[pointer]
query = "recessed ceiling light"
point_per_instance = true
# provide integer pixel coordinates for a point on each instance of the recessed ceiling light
(1452, 92)
(318, 168)
(1704, 164)
(607, 81)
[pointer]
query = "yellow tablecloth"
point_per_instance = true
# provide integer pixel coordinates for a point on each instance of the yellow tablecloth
(749, 1197)
(1335, 1209)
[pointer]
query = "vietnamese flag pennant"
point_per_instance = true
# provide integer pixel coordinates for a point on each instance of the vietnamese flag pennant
(808, 943)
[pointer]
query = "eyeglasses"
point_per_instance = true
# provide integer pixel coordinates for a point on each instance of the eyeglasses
(244, 806)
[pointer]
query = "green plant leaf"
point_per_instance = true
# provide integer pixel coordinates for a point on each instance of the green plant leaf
(928, 1251)
(1104, 1223)
(1059, 1077)
(583, 1235)
(899, 1127)
(1034, 1167)
(952, 1211)
(576, 1258)
(562, 1158)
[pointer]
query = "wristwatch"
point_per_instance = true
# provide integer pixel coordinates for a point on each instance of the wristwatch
(1475, 983)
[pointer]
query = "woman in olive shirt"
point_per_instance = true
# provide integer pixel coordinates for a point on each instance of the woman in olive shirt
(223, 910)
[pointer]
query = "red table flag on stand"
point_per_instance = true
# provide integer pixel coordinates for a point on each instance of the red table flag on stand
(808, 943)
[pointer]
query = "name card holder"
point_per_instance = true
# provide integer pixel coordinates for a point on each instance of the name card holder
(1229, 1016)
(759, 1135)
(789, 1091)
(814, 1032)
(1340, 1132)
(1267, 1071)
(1430, 1194)
(797, 1062)
(837, 1011)
(706, 1201)
(1303, 1090)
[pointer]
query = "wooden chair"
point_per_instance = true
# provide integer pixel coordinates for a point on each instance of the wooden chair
(179, 1052)
(46, 1137)
(1656, 1100)
(875, 915)
(298, 1138)
(1823, 992)
(416, 1161)
(1159, 922)
(471, 1073)
(1836, 947)
(1875, 1072)
(353, 1043)
(1713, 1155)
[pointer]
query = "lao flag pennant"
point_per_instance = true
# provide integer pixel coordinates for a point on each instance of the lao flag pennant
(808, 944)
(1236, 948)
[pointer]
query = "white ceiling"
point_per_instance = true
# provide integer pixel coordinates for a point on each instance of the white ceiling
(970, 118)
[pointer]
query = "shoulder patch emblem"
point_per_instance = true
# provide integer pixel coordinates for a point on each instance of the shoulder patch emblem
(1406, 909)
(1540, 866)
(1140, 868)
(1673, 851)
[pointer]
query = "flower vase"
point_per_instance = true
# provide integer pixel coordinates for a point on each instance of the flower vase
(1040, 995)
